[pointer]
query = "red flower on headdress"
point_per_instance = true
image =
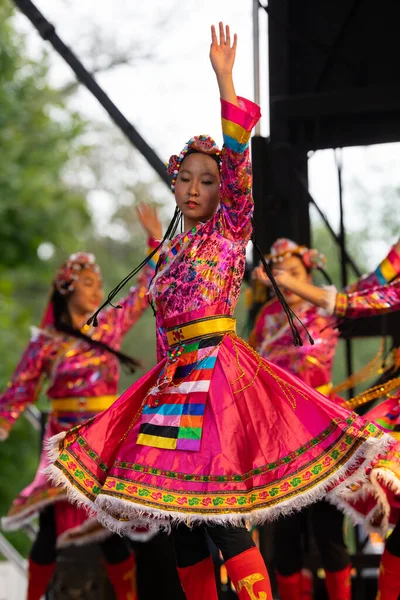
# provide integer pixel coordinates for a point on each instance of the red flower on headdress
(284, 248)
(313, 259)
(202, 144)
(172, 164)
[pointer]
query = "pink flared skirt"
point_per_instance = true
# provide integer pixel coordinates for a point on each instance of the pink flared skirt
(214, 433)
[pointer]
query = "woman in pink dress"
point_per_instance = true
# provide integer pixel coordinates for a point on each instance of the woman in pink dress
(213, 435)
(376, 500)
(81, 366)
(312, 364)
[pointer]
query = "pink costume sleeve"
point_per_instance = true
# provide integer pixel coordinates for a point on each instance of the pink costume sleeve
(385, 272)
(135, 303)
(236, 174)
(23, 387)
(376, 301)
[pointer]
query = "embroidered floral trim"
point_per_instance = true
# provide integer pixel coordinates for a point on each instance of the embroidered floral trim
(37, 498)
(225, 478)
(222, 501)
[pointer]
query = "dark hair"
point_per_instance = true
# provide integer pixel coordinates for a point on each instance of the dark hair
(63, 322)
(216, 157)
(169, 234)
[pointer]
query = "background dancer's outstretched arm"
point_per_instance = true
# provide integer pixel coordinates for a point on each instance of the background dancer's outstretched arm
(331, 300)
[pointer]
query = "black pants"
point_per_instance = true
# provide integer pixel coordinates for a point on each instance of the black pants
(44, 552)
(191, 544)
(393, 543)
(327, 525)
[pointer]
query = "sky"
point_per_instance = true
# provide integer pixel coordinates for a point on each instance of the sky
(174, 96)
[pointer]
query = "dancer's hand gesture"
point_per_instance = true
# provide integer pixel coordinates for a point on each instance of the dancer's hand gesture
(222, 53)
(260, 275)
(149, 220)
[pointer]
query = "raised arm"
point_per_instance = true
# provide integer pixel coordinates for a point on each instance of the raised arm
(239, 116)
(318, 296)
(22, 389)
(135, 303)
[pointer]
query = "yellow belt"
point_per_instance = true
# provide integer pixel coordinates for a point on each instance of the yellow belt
(81, 404)
(202, 328)
(325, 389)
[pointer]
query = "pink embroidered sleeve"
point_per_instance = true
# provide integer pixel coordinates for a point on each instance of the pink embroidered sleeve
(375, 301)
(385, 272)
(236, 174)
(23, 386)
(135, 303)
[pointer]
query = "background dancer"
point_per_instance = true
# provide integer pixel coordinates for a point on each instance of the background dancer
(377, 500)
(81, 366)
(312, 364)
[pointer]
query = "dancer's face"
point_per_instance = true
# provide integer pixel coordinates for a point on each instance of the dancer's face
(295, 267)
(197, 188)
(88, 293)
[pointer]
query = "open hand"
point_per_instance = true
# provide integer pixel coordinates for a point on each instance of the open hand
(149, 220)
(260, 275)
(222, 54)
(283, 278)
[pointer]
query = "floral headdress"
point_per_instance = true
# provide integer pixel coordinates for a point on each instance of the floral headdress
(68, 273)
(199, 143)
(284, 248)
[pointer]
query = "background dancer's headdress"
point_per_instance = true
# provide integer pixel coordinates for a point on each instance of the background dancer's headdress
(284, 248)
(203, 144)
(56, 313)
(65, 279)
(68, 274)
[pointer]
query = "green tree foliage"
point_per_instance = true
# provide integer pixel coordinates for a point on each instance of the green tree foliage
(38, 135)
(37, 138)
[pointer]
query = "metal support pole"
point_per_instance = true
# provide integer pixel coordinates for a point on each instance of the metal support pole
(348, 259)
(343, 261)
(9, 552)
(256, 57)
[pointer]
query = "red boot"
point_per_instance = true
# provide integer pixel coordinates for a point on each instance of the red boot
(307, 585)
(389, 577)
(122, 576)
(198, 581)
(249, 575)
(289, 586)
(39, 577)
(338, 584)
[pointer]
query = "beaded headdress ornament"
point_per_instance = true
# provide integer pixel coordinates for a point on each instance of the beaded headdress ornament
(199, 143)
(284, 248)
(68, 273)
